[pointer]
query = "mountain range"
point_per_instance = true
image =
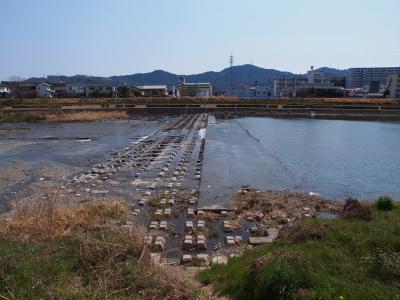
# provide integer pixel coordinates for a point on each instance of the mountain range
(243, 74)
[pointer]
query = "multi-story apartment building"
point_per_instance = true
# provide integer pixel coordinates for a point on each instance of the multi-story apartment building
(286, 87)
(371, 77)
(394, 86)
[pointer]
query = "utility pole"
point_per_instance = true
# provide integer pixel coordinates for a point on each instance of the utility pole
(231, 61)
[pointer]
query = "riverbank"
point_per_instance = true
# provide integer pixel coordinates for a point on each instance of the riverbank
(329, 108)
(319, 259)
(50, 249)
(60, 116)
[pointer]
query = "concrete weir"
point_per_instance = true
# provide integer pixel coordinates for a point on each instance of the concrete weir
(159, 175)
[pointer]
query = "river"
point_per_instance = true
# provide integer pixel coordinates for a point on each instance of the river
(334, 158)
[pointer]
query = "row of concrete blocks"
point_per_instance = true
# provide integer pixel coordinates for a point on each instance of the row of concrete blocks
(189, 226)
(159, 243)
(154, 225)
(191, 213)
(189, 243)
(166, 212)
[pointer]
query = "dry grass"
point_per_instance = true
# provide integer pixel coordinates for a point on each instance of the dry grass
(48, 219)
(80, 251)
(86, 116)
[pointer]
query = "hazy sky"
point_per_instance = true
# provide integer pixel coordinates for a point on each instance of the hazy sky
(115, 37)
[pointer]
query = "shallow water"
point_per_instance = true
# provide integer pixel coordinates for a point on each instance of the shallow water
(333, 158)
(72, 143)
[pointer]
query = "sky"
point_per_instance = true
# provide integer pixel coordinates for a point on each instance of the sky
(120, 37)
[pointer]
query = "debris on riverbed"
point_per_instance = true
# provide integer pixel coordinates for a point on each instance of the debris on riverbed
(281, 208)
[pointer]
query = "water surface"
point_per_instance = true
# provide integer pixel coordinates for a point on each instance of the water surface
(334, 158)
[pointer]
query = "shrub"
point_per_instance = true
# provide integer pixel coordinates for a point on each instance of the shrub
(353, 209)
(384, 203)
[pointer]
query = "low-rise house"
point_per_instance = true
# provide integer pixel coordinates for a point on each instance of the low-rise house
(5, 91)
(60, 90)
(154, 90)
(44, 90)
(195, 89)
(20, 89)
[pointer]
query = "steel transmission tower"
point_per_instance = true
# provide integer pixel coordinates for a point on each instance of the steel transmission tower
(231, 61)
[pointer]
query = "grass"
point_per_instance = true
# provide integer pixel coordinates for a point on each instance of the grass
(320, 259)
(63, 117)
(50, 250)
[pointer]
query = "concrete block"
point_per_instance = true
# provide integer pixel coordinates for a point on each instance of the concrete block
(226, 226)
(159, 244)
(153, 225)
(190, 212)
(189, 226)
(230, 240)
(186, 258)
(201, 225)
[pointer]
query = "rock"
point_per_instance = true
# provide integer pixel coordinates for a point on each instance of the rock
(253, 229)
(219, 260)
(272, 235)
(203, 257)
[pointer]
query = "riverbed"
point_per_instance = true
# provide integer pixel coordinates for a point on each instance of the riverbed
(333, 158)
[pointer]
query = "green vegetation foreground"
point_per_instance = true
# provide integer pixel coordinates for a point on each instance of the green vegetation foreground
(351, 258)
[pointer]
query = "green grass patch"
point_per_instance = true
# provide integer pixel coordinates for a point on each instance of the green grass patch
(320, 259)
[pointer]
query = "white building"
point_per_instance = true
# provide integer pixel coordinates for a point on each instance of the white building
(195, 89)
(154, 90)
(286, 87)
(44, 90)
(75, 90)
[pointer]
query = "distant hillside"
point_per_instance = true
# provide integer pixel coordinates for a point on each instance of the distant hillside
(244, 74)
